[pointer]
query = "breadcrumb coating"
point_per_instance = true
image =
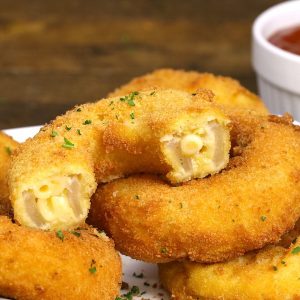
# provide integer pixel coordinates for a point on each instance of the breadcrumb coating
(7, 146)
(167, 132)
(250, 204)
(81, 264)
(228, 91)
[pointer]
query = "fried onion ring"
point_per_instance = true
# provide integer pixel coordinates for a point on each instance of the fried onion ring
(169, 132)
(228, 91)
(251, 203)
(64, 265)
(7, 146)
(270, 273)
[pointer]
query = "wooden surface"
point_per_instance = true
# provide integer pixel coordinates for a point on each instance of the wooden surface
(55, 54)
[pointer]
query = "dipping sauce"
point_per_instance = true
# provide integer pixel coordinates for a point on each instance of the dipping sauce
(287, 39)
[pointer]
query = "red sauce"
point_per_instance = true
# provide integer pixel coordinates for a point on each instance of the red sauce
(287, 39)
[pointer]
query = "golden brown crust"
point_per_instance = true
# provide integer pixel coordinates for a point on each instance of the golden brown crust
(112, 138)
(228, 91)
(7, 146)
(40, 265)
(250, 204)
(270, 273)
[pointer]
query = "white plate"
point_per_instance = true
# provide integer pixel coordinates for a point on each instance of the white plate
(148, 284)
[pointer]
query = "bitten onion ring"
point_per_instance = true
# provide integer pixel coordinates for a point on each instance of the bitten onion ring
(251, 203)
(270, 273)
(34, 264)
(168, 132)
(228, 91)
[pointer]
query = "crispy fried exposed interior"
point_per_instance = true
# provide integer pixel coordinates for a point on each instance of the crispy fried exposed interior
(228, 91)
(215, 218)
(167, 132)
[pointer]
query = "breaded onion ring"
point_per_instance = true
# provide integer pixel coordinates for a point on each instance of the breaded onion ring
(228, 91)
(64, 265)
(270, 273)
(166, 132)
(253, 202)
(7, 146)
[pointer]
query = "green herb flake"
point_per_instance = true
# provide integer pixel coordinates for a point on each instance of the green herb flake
(111, 103)
(275, 268)
(93, 268)
(60, 235)
(296, 250)
(132, 116)
(68, 128)
(263, 218)
(137, 197)
(131, 102)
(181, 205)
(141, 275)
(283, 262)
(78, 131)
(146, 283)
(68, 144)
(130, 98)
(152, 93)
(78, 109)
(76, 233)
(8, 150)
(54, 133)
(87, 122)
(163, 250)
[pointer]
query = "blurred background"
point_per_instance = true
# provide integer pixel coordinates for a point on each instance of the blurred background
(58, 53)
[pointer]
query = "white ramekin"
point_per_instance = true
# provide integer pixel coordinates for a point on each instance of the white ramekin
(278, 71)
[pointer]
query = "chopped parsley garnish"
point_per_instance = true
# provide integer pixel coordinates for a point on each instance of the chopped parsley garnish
(68, 128)
(76, 233)
(163, 250)
(60, 235)
(132, 116)
(87, 122)
(131, 102)
(8, 150)
(137, 197)
(53, 133)
(263, 218)
(181, 205)
(129, 296)
(68, 144)
(78, 109)
(146, 283)
(283, 262)
(296, 250)
(194, 94)
(141, 275)
(111, 103)
(93, 268)
(130, 98)
(152, 93)
(117, 117)
(78, 131)
(275, 268)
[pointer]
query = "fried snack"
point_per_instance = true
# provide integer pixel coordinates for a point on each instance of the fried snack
(7, 145)
(54, 175)
(270, 273)
(251, 203)
(228, 91)
(34, 264)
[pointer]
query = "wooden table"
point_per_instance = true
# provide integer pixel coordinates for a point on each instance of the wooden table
(55, 54)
